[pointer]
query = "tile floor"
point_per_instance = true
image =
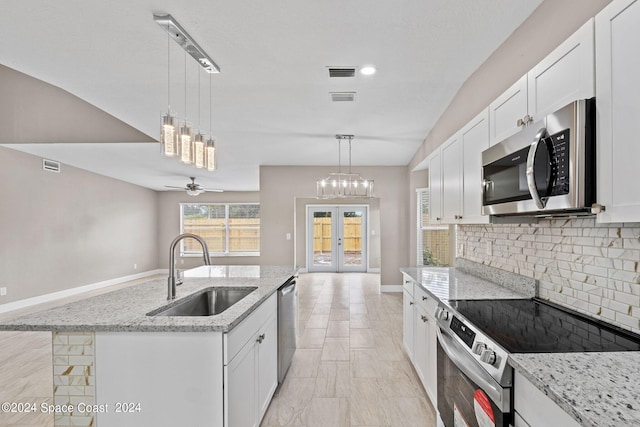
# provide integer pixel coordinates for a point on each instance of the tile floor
(349, 368)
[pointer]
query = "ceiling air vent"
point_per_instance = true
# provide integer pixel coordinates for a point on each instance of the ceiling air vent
(343, 96)
(50, 165)
(342, 72)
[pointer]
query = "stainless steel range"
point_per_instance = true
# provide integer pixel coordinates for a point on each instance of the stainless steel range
(475, 338)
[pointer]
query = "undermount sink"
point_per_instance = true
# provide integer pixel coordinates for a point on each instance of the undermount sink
(208, 302)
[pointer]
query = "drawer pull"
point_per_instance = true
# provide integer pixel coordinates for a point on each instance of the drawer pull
(424, 298)
(410, 302)
(260, 338)
(424, 318)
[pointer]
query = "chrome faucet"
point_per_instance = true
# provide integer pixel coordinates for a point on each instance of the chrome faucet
(171, 281)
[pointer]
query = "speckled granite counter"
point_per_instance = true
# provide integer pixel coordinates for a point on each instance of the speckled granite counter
(596, 389)
(446, 284)
(126, 309)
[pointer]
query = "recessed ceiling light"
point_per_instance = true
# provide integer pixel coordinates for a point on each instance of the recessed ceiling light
(368, 70)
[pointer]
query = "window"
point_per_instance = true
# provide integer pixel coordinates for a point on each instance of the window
(433, 241)
(228, 229)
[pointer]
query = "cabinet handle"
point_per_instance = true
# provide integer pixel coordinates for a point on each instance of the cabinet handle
(457, 216)
(424, 298)
(597, 208)
(520, 123)
(410, 302)
(260, 338)
(406, 282)
(437, 218)
(528, 119)
(424, 318)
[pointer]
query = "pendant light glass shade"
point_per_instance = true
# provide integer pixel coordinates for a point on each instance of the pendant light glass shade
(210, 157)
(185, 149)
(199, 151)
(168, 136)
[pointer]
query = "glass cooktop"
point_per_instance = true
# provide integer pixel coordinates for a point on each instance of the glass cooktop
(535, 326)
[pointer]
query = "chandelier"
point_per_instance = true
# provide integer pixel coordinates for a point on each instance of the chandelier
(177, 139)
(344, 185)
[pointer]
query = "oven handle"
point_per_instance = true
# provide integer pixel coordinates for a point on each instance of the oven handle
(470, 368)
(531, 181)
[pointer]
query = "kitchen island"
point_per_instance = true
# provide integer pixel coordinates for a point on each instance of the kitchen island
(114, 365)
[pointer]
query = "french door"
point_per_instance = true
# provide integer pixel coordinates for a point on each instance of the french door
(337, 238)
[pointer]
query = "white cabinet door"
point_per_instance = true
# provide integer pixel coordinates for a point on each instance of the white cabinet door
(565, 75)
(435, 188)
(267, 349)
(617, 89)
(535, 408)
(507, 110)
(432, 362)
(451, 180)
(407, 323)
(474, 138)
(421, 332)
(240, 388)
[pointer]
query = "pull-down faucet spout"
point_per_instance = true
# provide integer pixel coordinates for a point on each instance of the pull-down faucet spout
(171, 281)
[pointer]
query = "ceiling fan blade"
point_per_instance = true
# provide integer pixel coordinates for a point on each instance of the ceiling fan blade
(171, 186)
(212, 190)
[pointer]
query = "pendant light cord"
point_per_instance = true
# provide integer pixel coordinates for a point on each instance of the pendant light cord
(185, 87)
(210, 110)
(349, 155)
(169, 71)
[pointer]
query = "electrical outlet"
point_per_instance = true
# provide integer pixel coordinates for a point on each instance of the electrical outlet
(3, 292)
(489, 247)
(135, 266)
(288, 236)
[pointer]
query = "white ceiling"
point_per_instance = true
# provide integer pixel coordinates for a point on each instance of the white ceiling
(271, 103)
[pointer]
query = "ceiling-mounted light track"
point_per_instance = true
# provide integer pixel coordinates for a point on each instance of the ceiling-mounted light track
(180, 36)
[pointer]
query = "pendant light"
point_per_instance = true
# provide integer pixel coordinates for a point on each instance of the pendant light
(198, 140)
(168, 134)
(185, 138)
(210, 149)
(344, 185)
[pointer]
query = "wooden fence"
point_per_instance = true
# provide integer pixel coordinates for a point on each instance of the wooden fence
(244, 234)
(352, 238)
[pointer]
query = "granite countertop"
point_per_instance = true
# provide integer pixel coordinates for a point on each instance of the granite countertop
(447, 283)
(126, 309)
(596, 389)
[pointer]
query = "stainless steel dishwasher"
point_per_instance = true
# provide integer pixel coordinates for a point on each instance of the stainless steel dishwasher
(287, 296)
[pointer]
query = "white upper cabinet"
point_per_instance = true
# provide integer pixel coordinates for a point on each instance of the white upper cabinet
(435, 187)
(618, 110)
(508, 111)
(564, 75)
(474, 138)
(451, 152)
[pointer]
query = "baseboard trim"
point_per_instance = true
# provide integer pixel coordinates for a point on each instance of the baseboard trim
(28, 302)
(390, 288)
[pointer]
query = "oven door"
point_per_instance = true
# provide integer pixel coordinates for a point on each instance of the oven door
(467, 395)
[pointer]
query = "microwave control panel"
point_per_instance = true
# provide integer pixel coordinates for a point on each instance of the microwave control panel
(558, 144)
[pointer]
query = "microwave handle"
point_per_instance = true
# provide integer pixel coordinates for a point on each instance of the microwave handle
(531, 181)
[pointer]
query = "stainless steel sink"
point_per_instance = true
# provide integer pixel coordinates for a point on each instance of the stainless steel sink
(208, 302)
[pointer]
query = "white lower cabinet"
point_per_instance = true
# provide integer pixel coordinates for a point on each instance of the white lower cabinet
(407, 323)
(534, 409)
(419, 335)
(251, 374)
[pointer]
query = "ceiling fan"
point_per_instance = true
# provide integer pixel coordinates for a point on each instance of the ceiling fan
(194, 189)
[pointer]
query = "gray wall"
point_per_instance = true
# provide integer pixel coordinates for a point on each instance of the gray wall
(68, 229)
(169, 224)
(281, 185)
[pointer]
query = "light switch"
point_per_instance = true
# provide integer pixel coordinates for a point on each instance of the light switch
(288, 236)
(373, 232)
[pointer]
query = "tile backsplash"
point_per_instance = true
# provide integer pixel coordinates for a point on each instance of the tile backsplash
(589, 267)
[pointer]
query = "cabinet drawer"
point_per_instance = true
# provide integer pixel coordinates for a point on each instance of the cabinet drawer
(241, 334)
(429, 303)
(407, 284)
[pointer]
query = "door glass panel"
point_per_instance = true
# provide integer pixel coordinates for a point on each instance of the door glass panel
(352, 229)
(322, 252)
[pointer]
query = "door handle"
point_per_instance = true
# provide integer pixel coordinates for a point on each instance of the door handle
(531, 181)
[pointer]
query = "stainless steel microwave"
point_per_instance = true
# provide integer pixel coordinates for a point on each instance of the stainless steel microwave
(547, 168)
